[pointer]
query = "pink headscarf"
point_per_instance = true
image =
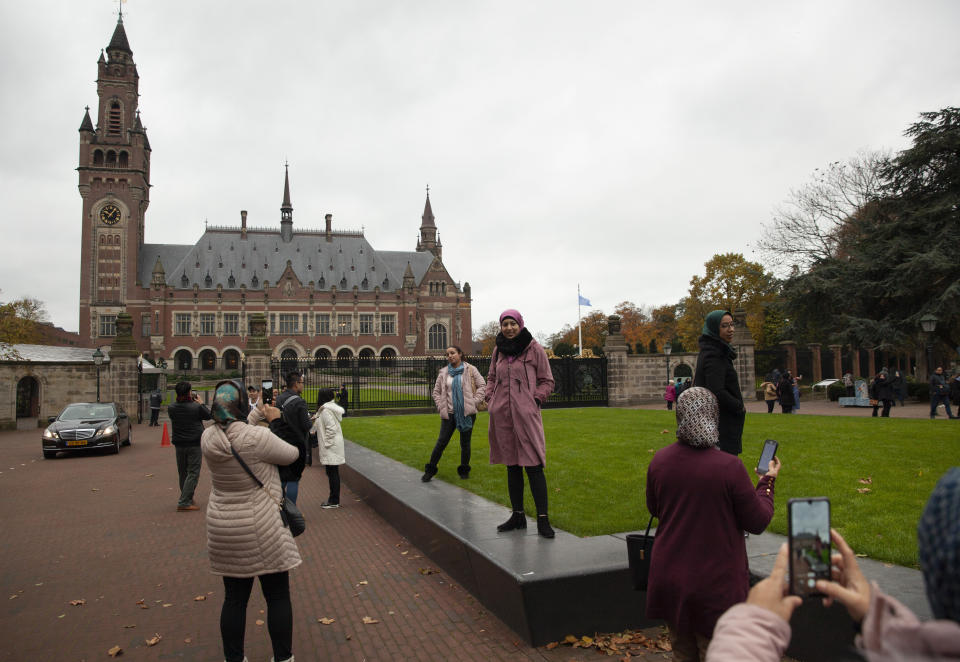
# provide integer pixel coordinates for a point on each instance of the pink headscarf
(514, 315)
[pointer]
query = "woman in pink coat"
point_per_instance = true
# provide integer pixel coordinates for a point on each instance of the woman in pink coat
(519, 382)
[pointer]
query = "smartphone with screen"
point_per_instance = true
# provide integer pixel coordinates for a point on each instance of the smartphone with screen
(770, 447)
(808, 525)
(266, 388)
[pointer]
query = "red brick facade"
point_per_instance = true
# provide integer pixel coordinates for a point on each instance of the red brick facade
(324, 292)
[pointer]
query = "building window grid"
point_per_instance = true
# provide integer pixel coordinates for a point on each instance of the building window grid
(208, 324)
(388, 324)
(108, 325)
(344, 324)
(145, 327)
(231, 324)
(288, 324)
(181, 324)
(323, 324)
(366, 324)
(437, 337)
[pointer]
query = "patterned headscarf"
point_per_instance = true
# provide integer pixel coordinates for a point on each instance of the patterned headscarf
(697, 418)
(230, 403)
(938, 546)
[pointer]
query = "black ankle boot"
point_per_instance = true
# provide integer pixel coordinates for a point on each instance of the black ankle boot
(544, 528)
(429, 471)
(464, 471)
(517, 521)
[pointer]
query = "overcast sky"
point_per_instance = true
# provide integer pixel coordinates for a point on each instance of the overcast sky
(618, 145)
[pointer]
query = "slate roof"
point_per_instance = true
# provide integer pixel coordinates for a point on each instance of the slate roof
(220, 253)
(119, 40)
(55, 354)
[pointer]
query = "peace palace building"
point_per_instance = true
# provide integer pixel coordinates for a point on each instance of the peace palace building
(325, 293)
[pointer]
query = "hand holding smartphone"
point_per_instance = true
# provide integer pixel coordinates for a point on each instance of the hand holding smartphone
(769, 451)
(266, 388)
(808, 523)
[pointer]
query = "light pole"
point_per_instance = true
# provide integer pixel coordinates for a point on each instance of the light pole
(667, 348)
(98, 361)
(929, 324)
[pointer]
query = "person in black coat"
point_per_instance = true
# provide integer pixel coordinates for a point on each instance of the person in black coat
(899, 387)
(785, 392)
(716, 373)
(293, 426)
(187, 415)
(881, 390)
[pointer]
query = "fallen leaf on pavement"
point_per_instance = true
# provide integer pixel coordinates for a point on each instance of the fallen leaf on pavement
(429, 571)
(551, 645)
(78, 603)
(369, 621)
(116, 650)
(259, 621)
(326, 620)
(362, 582)
(14, 596)
(167, 604)
(128, 627)
(187, 640)
(142, 604)
(154, 640)
(200, 598)
(148, 475)
(405, 553)
(569, 639)
(94, 489)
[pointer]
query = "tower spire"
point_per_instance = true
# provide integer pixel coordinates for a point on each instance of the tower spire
(286, 209)
(428, 229)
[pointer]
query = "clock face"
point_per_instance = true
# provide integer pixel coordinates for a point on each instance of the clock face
(110, 214)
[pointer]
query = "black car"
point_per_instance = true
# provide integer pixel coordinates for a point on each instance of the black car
(86, 426)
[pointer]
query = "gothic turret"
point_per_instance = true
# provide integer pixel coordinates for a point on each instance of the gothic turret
(428, 230)
(286, 209)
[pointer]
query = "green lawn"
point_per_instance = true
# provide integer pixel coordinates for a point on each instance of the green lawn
(597, 460)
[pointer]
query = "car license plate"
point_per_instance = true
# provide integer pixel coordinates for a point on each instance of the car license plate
(77, 442)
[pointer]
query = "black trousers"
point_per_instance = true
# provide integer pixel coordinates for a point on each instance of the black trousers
(333, 477)
(233, 616)
(447, 427)
(154, 416)
(538, 487)
(770, 404)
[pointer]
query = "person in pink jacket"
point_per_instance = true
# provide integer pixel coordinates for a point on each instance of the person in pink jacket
(519, 382)
(670, 395)
(758, 630)
(457, 392)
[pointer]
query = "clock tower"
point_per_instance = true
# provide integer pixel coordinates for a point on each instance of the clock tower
(114, 183)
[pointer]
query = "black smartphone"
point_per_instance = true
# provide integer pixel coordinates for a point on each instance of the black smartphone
(808, 524)
(770, 447)
(266, 388)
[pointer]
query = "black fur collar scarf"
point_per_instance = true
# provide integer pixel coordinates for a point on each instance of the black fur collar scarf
(516, 345)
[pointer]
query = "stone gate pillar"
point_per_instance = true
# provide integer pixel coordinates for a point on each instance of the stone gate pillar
(791, 348)
(122, 372)
(817, 370)
(837, 351)
(257, 350)
(615, 349)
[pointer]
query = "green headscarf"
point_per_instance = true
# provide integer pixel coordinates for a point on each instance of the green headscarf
(229, 403)
(711, 327)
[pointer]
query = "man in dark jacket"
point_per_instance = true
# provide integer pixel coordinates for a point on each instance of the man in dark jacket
(344, 397)
(293, 426)
(939, 394)
(187, 415)
(716, 373)
(156, 400)
(881, 390)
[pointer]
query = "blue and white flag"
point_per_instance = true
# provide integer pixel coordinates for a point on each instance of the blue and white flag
(584, 301)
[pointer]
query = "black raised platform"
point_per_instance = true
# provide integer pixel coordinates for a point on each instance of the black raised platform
(547, 589)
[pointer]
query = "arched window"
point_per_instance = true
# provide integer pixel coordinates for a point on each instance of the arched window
(387, 356)
(183, 360)
(116, 239)
(320, 357)
(114, 119)
(123, 160)
(109, 240)
(208, 359)
(231, 359)
(98, 157)
(103, 240)
(344, 354)
(111, 159)
(437, 337)
(366, 354)
(288, 362)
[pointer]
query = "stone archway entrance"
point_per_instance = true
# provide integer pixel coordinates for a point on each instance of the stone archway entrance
(28, 403)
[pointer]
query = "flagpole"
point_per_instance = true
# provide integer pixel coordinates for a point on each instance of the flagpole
(579, 332)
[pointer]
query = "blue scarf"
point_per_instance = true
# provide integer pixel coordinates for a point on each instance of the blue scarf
(463, 422)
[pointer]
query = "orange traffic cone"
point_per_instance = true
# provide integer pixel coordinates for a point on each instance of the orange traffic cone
(165, 439)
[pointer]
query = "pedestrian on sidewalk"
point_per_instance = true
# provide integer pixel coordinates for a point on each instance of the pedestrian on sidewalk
(293, 426)
(330, 451)
(881, 393)
(343, 396)
(785, 392)
(246, 537)
(769, 395)
(939, 394)
(457, 392)
(187, 415)
(796, 392)
(519, 382)
(670, 395)
(156, 401)
(716, 373)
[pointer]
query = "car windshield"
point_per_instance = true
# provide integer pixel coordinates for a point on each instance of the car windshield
(78, 412)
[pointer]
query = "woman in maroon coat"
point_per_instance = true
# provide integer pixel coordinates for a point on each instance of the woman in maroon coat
(519, 382)
(704, 501)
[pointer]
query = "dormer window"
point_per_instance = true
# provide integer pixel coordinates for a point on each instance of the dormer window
(231, 282)
(184, 281)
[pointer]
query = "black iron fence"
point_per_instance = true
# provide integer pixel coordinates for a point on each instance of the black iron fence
(407, 382)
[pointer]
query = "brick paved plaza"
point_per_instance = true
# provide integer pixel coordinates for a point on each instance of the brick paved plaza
(104, 529)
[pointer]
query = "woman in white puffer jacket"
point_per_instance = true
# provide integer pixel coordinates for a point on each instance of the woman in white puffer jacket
(326, 425)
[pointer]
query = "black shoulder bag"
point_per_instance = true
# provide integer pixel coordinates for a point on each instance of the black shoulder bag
(289, 513)
(639, 548)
